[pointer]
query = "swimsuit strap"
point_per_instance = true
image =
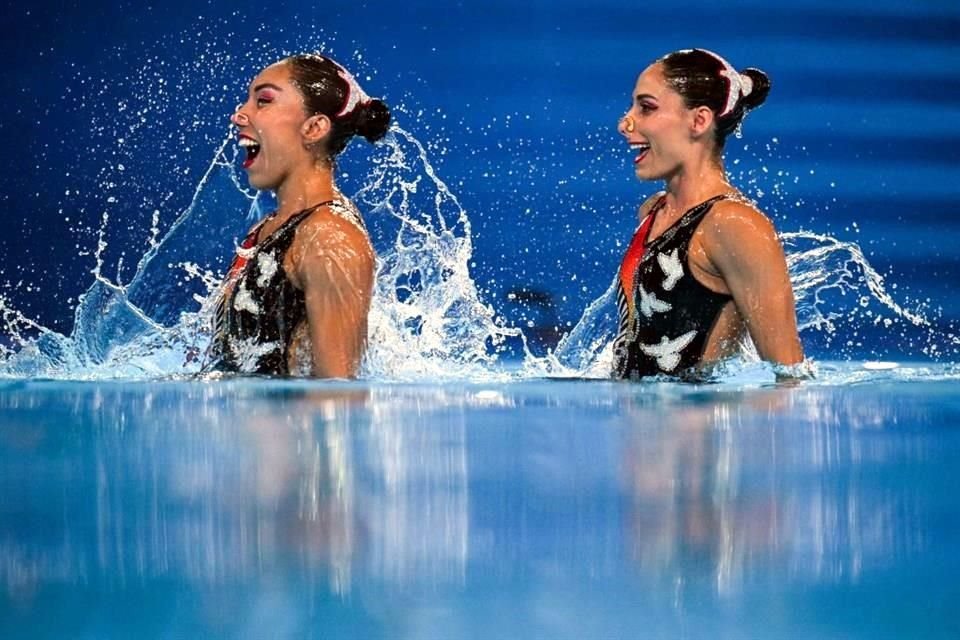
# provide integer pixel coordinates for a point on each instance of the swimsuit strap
(297, 217)
(687, 216)
(638, 243)
(309, 210)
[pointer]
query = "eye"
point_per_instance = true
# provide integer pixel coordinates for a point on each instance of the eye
(264, 99)
(646, 107)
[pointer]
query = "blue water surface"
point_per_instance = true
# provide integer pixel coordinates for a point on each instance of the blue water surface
(545, 509)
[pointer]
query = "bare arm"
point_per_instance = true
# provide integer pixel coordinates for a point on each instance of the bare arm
(335, 267)
(742, 245)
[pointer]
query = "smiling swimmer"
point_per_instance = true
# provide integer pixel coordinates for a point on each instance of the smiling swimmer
(705, 267)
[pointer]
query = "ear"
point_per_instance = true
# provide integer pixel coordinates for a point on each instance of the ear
(315, 128)
(700, 121)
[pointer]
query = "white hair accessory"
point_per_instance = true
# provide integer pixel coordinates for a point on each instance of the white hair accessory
(738, 84)
(355, 95)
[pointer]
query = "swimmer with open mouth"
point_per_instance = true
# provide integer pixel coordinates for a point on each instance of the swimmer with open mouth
(296, 297)
(705, 268)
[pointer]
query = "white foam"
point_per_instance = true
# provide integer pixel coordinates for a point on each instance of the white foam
(876, 365)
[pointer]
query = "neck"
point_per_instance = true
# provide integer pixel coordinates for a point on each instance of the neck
(694, 183)
(304, 189)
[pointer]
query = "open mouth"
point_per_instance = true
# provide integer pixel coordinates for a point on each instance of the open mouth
(252, 147)
(641, 148)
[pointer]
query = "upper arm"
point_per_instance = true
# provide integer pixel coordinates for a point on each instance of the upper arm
(742, 245)
(334, 268)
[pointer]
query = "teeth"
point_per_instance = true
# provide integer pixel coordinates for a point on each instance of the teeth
(638, 146)
(247, 142)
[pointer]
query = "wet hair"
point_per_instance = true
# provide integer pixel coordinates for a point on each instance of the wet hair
(329, 89)
(703, 78)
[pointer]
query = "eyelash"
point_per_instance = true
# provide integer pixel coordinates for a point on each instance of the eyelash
(263, 99)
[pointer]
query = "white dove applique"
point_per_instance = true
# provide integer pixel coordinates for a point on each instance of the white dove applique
(243, 300)
(668, 351)
(671, 267)
(268, 268)
(649, 304)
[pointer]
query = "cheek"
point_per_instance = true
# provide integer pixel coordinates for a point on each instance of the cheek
(669, 130)
(652, 123)
(283, 127)
(664, 121)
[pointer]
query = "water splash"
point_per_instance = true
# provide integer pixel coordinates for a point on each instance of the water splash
(426, 319)
(841, 300)
(148, 327)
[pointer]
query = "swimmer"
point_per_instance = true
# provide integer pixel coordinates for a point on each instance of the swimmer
(705, 267)
(296, 297)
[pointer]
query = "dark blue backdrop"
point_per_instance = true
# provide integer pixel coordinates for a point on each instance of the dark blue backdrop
(119, 107)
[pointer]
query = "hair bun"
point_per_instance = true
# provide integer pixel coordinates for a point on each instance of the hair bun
(761, 88)
(372, 119)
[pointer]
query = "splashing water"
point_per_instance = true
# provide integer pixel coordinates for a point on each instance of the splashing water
(427, 318)
(842, 299)
(826, 274)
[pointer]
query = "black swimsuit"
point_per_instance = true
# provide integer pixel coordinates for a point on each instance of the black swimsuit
(256, 317)
(665, 322)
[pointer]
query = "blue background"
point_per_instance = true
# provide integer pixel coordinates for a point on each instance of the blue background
(118, 108)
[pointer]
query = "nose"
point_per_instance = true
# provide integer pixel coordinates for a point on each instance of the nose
(626, 124)
(239, 118)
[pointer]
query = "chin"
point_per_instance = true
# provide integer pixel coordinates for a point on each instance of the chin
(648, 175)
(644, 175)
(260, 183)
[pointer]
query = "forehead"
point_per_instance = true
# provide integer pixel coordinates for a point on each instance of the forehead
(278, 73)
(652, 82)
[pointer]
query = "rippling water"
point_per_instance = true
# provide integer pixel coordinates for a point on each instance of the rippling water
(561, 509)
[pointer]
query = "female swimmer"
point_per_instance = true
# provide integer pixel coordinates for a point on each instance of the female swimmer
(296, 297)
(705, 267)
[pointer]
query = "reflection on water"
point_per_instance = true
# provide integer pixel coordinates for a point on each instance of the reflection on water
(773, 482)
(546, 500)
(215, 483)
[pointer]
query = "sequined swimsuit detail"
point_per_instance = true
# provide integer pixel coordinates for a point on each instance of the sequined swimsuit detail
(260, 308)
(665, 313)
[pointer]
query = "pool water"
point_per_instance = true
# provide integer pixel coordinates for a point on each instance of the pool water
(537, 509)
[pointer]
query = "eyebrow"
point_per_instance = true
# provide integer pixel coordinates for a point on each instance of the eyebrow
(266, 85)
(641, 96)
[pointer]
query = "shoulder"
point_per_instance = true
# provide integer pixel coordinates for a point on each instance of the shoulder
(736, 231)
(255, 227)
(326, 238)
(649, 204)
(738, 221)
(327, 228)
